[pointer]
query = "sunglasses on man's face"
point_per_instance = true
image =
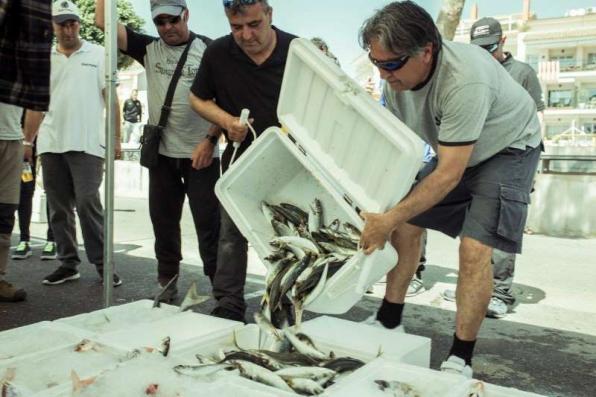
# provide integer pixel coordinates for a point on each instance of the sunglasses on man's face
(390, 65)
(491, 47)
(173, 20)
(229, 3)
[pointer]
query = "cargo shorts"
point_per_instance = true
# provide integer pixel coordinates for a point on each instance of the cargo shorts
(490, 203)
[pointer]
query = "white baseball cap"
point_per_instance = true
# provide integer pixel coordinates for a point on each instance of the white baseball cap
(168, 7)
(65, 10)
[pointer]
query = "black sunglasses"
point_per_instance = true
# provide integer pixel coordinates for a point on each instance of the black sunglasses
(229, 3)
(390, 65)
(491, 47)
(173, 20)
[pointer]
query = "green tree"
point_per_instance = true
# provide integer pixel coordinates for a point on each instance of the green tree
(89, 32)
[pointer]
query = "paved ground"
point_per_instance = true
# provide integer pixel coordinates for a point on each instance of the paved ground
(547, 345)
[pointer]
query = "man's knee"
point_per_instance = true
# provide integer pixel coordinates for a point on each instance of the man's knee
(406, 234)
(474, 256)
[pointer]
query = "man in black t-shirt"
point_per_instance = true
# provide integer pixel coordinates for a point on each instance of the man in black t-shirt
(241, 70)
(132, 111)
(188, 164)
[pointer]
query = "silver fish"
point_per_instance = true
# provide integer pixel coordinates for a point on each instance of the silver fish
(266, 326)
(202, 369)
(315, 215)
(192, 298)
(304, 347)
(313, 373)
(260, 374)
(305, 386)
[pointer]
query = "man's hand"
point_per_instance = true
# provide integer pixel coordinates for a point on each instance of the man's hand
(377, 231)
(117, 149)
(28, 153)
(202, 155)
(236, 130)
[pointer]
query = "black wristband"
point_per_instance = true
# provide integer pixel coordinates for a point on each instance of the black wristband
(212, 138)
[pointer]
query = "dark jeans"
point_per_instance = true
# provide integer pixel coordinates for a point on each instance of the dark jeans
(169, 183)
(232, 259)
(26, 206)
(72, 180)
(503, 270)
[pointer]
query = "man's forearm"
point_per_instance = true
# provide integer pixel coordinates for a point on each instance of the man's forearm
(430, 191)
(210, 111)
(32, 122)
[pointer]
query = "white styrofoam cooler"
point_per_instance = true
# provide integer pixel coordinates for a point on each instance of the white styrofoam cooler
(336, 144)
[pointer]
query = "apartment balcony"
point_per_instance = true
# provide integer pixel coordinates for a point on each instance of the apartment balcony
(565, 71)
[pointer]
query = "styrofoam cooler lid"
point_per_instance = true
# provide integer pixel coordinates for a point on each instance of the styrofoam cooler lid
(370, 155)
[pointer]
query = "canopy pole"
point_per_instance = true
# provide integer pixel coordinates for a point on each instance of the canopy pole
(111, 48)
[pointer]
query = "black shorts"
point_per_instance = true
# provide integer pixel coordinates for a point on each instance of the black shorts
(490, 203)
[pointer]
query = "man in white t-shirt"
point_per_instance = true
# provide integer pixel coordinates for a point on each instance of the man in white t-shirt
(484, 128)
(71, 144)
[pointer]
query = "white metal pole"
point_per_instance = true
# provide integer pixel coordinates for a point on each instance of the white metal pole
(110, 43)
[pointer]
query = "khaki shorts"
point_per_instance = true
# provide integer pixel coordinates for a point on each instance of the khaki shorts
(11, 167)
(490, 203)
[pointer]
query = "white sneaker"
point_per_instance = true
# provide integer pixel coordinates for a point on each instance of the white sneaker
(457, 365)
(415, 287)
(372, 320)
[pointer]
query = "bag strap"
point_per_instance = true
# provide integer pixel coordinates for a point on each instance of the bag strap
(167, 106)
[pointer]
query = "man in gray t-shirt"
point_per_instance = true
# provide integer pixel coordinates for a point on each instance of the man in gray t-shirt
(485, 131)
(488, 34)
(11, 162)
(188, 161)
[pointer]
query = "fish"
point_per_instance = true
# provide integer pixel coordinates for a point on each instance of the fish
(151, 390)
(476, 389)
(257, 373)
(304, 347)
(255, 357)
(79, 384)
(159, 296)
(281, 229)
(305, 386)
(315, 214)
(165, 346)
(302, 243)
(291, 359)
(313, 373)
(343, 364)
(298, 213)
(202, 370)
(399, 389)
(86, 345)
(192, 298)
(266, 326)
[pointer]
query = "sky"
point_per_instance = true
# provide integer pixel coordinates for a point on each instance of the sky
(338, 21)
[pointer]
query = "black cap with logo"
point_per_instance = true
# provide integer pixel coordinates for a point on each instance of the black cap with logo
(486, 31)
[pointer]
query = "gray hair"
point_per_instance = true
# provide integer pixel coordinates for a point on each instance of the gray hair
(402, 27)
(238, 8)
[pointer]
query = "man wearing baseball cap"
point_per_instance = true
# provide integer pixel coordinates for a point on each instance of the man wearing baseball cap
(188, 165)
(488, 34)
(71, 144)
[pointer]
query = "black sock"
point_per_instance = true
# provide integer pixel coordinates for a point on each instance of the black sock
(389, 314)
(462, 349)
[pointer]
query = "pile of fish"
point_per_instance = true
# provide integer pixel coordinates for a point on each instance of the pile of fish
(294, 364)
(306, 254)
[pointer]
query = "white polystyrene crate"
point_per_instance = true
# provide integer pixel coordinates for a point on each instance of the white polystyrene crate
(48, 372)
(35, 338)
(119, 317)
(345, 149)
(180, 328)
(409, 349)
(425, 382)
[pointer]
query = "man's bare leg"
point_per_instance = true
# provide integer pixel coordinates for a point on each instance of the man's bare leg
(474, 287)
(406, 240)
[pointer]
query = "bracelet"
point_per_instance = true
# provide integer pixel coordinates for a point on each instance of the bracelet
(27, 143)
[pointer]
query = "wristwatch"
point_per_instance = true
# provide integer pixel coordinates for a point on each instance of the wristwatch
(212, 138)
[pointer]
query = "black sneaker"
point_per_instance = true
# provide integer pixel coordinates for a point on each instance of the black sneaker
(23, 251)
(228, 314)
(117, 280)
(61, 275)
(49, 251)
